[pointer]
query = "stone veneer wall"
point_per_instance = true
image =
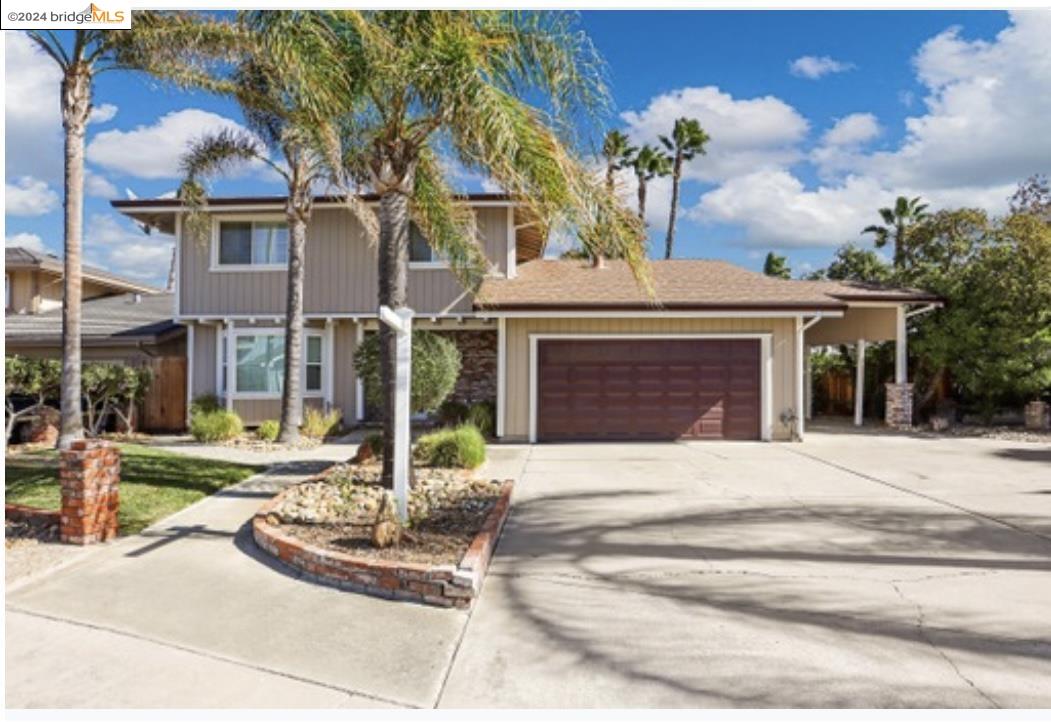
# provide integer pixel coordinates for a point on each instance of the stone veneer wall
(1038, 415)
(898, 414)
(477, 380)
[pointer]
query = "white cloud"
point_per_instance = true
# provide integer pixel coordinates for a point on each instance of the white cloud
(103, 113)
(29, 196)
(747, 134)
(154, 151)
(33, 131)
(26, 240)
(116, 244)
(852, 129)
(814, 67)
(97, 185)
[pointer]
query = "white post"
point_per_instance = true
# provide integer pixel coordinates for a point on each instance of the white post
(901, 349)
(800, 336)
(231, 363)
(501, 374)
(359, 387)
(328, 370)
(189, 369)
(859, 384)
(808, 389)
(401, 322)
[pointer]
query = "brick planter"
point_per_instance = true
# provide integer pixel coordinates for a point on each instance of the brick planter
(1038, 415)
(31, 514)
(89, 473)
(442, 585)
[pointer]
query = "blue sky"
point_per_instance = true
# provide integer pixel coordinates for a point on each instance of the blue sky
(816, 119)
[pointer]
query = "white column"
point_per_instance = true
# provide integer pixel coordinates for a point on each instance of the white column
(501, 374)
(359, 387)
(189, 369)
(808, 389)
(231, 363)
(767, 407)
(901, 349)
(800, 421)
(328, 356)
(400, 321)
(859, 384)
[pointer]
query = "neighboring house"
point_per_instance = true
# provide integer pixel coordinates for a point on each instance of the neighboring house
(564, 350)
(33, 282)
(132, 329)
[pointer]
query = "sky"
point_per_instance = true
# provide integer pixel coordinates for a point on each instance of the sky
(816, 120)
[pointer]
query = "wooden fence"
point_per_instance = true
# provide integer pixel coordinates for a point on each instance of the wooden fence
(164, 408)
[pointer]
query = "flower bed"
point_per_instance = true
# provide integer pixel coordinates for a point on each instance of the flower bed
(323, 528)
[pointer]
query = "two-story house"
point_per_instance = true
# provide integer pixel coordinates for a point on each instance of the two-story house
(565, 350)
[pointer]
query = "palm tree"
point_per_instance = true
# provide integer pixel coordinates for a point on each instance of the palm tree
(292, 95)
(650, 162)
(687, 140)
(619, 154)
(776, 266)
(165, 45)
(456, 80)
(897, 222)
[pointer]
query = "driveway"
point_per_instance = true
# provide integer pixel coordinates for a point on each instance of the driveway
(864, 571)
(850, 570)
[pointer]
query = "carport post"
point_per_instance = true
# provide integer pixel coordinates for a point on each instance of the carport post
(859, 384)
(901, 349)
(400, 321)
(800, 411)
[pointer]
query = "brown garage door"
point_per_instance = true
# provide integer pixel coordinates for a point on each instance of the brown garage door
(627, 389)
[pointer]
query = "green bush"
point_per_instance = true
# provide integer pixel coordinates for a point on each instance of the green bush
(317, 425)
(452, 413)
(216, 426)
(205, 404)
(459, 448)
(375, 442)
(483, 417)
(435, 368)
(268, 430)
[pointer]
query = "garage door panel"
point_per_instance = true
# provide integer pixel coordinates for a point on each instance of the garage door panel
(622, 389)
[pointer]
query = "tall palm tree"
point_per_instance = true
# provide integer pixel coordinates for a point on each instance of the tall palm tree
(456, 80)
(292, 93)
(165, 45)
(650, 162)
(896, 224)
(619, 154)
(686, 142)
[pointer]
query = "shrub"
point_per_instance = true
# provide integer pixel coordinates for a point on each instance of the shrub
(268, 430)
(317, 425)
(435, 368)
(459, 448)
(452, 413)
(215, 426)
(483, 417)
(204, 404)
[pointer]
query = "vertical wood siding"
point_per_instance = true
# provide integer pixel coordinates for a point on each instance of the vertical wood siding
(518, 331)
(340, 273)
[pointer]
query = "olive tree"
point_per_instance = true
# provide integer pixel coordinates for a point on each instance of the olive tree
(435, 367)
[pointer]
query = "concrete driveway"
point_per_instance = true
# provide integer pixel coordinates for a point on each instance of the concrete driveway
(863, 571)
(847, 571)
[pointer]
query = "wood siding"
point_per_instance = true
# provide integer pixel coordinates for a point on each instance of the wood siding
(340, 272)
(871, 324)
(516, 419)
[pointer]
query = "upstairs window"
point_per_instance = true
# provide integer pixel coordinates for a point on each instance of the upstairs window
(420, 250)
(252, 243)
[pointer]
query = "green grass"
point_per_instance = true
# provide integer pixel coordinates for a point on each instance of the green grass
(153, 483)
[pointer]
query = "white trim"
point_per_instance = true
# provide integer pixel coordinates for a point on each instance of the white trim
(279, 318)
(511, 262)
(923, 309)
(808, 386)
(189, 369)
(655, 313)
(278, 204)
(213, 255)
(359, 386)
(428, 265)
(178, 268)
(901, 348)
(328, 364)
(800, 342)
(231, 363)
(765, 379)
(859, 384)
(239, 331)
(501, 375)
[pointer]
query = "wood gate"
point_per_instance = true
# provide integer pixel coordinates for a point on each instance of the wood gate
(164, 408)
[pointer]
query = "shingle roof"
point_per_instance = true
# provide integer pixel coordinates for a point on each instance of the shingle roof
(109, 319)
(678, 284)
(20, 257)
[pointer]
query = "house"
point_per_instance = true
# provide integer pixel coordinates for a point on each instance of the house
(566, 351)
(131, 329)
(33, 282)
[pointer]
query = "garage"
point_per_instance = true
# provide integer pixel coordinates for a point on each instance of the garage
(648, 389)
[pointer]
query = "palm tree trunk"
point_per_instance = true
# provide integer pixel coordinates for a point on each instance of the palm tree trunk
(393, 292)
(292, 394)
(76, 106)
(669, 241)
(642, 201)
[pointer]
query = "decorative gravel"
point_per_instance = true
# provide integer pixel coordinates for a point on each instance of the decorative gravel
(1000, 433)
(447, 507)
(249, 442)
(23, 532)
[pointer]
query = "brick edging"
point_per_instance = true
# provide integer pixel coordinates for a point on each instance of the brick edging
(441, 585)
(21, 512)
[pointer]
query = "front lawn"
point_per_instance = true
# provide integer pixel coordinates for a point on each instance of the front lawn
(153, 483)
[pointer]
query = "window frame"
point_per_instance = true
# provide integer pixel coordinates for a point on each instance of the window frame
(424, 265)
(217, 220)
(280, 333)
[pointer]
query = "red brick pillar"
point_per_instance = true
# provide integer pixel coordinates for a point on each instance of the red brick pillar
(89, 472)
